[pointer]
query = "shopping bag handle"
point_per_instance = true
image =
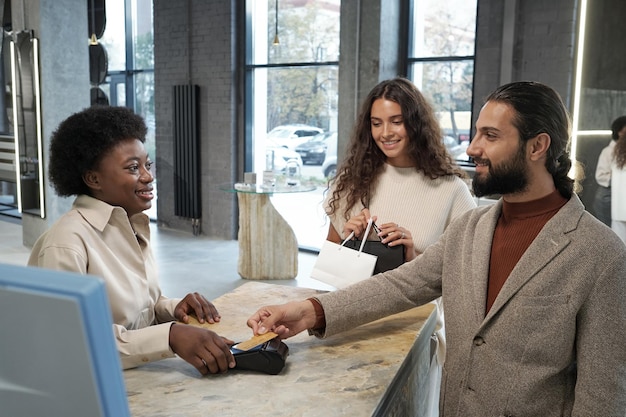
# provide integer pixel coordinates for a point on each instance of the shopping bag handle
(367, 233)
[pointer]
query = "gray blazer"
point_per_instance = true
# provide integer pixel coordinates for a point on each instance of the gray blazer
(553, 343)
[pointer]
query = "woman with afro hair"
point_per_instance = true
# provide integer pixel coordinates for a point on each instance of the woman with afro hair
(98, 155)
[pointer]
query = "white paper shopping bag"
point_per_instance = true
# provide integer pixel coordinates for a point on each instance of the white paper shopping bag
(341, 266)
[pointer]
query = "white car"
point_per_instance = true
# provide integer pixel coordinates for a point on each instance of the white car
(281, 158)
(290, 136)
(456, 149)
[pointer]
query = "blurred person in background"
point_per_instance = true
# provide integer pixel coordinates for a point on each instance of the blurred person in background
(602, 200)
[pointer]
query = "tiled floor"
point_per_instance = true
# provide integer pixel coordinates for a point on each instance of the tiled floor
(187, 263)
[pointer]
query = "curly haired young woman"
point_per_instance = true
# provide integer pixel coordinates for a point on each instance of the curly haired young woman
(397, 171)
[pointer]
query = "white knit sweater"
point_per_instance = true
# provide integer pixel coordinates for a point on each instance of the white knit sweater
(423, 206)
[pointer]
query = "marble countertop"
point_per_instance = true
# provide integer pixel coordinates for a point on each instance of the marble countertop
(347, 374)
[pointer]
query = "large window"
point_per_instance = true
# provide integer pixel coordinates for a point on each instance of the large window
(292, 54)
(441, 64)
(128, 40)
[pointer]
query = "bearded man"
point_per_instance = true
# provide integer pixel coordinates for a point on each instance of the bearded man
(534, 286)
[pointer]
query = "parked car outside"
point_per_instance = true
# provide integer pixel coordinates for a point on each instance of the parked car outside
(290, 136)
(281, 158)
(313, 151)
(329, 166)
(456, 149)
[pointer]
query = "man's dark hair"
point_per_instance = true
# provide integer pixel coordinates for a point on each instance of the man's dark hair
(539, 109)
(81, 140)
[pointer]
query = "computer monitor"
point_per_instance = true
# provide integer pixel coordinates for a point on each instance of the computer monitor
(57, 353)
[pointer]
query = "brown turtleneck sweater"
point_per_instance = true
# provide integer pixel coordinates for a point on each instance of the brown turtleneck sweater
(518, 225)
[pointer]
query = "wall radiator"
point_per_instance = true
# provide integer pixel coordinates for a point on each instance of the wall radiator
(187, 191)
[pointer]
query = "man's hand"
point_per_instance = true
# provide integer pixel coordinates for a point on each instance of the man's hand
(202, 348)
(195, 303)
(286, 320)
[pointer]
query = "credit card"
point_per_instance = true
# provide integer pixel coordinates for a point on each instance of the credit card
(255, 341)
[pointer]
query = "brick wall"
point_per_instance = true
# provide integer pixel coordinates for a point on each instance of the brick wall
(543, 45)
(194, 44)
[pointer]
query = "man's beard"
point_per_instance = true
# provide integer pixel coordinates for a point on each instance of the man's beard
(508, 177)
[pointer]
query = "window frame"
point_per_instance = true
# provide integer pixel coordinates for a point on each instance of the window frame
(413, 60)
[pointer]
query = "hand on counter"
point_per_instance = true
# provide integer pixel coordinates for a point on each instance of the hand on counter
(196, 304)
(204, 349)
(286, 320)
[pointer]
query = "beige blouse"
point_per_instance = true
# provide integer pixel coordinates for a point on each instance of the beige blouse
(99, 239)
